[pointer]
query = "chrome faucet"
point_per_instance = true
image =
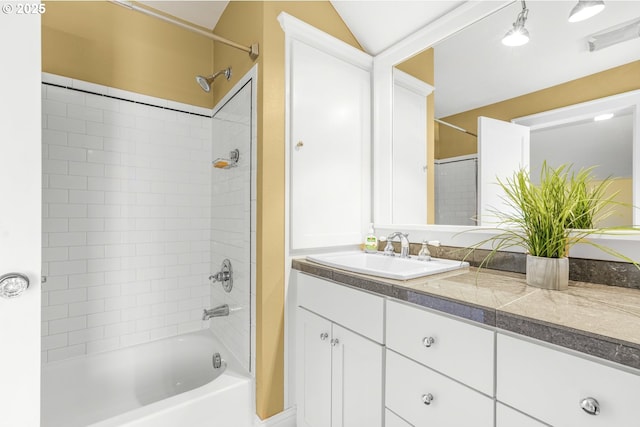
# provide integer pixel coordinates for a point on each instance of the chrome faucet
(219, 311)
(404, 245)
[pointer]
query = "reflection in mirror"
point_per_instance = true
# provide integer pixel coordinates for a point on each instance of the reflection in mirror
(475, 75)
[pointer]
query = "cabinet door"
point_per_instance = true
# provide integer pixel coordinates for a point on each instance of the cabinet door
(357, 380)
(330, 139)
(314, 370)
(507, 417)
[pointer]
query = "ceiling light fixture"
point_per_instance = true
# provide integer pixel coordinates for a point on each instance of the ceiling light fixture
(585, 9)
(602, 117)
(611, 36)
(518, 35)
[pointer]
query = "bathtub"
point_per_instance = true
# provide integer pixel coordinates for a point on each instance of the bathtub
(165, 383)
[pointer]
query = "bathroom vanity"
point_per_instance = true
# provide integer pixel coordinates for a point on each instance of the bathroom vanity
(463, 349)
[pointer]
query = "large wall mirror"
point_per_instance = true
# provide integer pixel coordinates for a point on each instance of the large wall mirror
(474, 75)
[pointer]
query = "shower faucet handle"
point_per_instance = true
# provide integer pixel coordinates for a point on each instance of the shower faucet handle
(224, 276)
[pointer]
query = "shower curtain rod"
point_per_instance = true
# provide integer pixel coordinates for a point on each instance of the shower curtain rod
(252, 50)
(455, 127)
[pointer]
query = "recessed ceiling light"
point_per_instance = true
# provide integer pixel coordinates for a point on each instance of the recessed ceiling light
(601, 117)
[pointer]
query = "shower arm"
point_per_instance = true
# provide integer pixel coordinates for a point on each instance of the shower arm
(252, 50)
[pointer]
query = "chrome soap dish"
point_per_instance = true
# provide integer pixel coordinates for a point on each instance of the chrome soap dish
(231, 162)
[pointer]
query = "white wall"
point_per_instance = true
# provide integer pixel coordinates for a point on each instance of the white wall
(125, 219)
(233, 221)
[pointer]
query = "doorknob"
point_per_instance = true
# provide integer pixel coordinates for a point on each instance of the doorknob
(13, 285)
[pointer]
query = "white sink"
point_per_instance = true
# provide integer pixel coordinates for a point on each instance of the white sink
(386, 266)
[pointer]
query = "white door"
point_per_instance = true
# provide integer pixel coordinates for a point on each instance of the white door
(503, 148)
(330, 139)
(409, 199)
(314, 369)
(20, 215)
(357, 380)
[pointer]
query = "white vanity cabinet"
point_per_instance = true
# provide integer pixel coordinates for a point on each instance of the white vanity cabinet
(436, 367)
(339, 380)
(563, 389)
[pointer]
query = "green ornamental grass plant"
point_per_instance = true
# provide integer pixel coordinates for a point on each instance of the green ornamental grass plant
(549, 218)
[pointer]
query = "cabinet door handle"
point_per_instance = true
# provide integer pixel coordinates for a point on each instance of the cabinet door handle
(324, 336)
(335, 342)
(590, 406)
(427, 398)
(428, 341)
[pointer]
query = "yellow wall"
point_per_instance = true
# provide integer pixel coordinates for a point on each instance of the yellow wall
(610, 82)
(247, 22)
(420, 66)
(104, 43)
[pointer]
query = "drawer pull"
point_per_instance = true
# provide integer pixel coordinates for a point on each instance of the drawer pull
(324, 336)
(428, 341)
(335, 342)
(590, 406)
(427, 398)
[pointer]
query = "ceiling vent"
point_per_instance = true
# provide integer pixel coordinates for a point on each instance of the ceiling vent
(620, 33)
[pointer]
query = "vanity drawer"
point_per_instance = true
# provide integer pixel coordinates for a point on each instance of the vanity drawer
(551, 384)
(459, 350)
(359, 311)
(410, 386)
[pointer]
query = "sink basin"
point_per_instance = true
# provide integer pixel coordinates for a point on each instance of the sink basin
(385, 266)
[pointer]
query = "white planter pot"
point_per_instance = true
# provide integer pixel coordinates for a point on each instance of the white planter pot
(548, 273)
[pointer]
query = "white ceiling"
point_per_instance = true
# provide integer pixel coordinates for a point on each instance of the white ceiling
(203, 13)
(379, 24)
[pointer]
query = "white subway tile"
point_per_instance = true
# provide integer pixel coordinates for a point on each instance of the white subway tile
(118, 119)
(105, 157)
(120, 302)
(55, 108)
(86, 169)
(103, 211)
(67, 324)
(103, 264)
(60, 210)
(65, 95)
(59, 152)
(54, 283)
(84, 112)
(133, 339)
(88, 197)
(120, 250)
(91, 142)
(86, 280)
(104, 238)
(55, 254)
(86, 252)
(136, 313)
(165, 332)
(148, 323)
(104, 184)
(105, 318)
(86, 307)
(108, 105)
(44, 328)
(53, 312)
(67, 239)
(65, 124)
(86, 335)
(55, 79)
(59, 167)
(112, 277)
(86, 224)
(67, 296)
(50, 195)
(68, 182)
(102, 129)
(99, 292)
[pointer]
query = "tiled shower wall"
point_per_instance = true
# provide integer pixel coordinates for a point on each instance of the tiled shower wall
(126, 219)
(233, 222)
(456, 191)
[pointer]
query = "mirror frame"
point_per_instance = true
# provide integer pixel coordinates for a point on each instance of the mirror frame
(627, 243)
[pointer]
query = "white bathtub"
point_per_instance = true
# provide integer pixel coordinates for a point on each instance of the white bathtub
(166, 383)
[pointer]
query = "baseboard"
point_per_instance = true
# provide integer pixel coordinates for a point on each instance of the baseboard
(286, 418)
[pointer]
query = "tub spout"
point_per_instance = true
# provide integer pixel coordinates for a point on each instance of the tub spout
(221, 310)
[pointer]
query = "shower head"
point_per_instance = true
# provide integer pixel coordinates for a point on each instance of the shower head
(206, 82)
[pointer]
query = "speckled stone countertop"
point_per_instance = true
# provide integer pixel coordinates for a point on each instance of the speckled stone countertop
(603, 321)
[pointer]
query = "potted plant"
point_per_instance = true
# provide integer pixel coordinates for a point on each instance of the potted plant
(547, 219)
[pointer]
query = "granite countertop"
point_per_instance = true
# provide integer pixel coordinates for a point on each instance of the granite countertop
(600, 320)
